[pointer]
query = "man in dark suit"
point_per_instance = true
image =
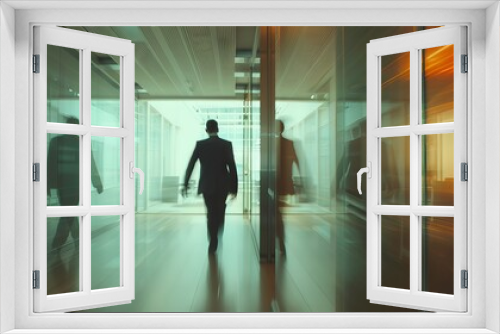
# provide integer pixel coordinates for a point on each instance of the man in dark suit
(218, 178)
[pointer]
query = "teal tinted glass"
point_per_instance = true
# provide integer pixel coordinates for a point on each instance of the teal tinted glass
(105, 103)
(63, 85)
(105, 252)
(63, 170)
(106, 171)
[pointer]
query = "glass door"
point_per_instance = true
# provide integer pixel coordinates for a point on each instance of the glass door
(416, 150)
(84, 158)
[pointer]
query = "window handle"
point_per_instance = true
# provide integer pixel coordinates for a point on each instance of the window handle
(368, 171)
(132, 171)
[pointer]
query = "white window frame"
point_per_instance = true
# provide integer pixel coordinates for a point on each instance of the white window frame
(413, 44)
(85, 44)
(483, 315)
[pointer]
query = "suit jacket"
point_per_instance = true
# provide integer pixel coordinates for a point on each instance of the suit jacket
(218, 170)
(287, 157)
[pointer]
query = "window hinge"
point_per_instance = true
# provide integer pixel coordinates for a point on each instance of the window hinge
(464, 172)
(36, 279)
(36, 172)
(465, 279)
(36, 63)
(465, 64)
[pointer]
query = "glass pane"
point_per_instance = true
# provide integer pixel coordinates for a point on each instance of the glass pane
(437, 254)
(395, 99)
(105, 169)
(105, 76)
(63, 170)
(395, 171)
(395, 232)
(437, 84)
(105, 252)
(155, 165)
(63, 85)
(437, 169)
(63, 255)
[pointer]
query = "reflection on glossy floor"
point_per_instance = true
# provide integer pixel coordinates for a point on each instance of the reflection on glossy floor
(324, 269)
(175, 274)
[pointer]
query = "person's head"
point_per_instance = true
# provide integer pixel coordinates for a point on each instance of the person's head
(72, 120)
(212, 127)
(280, 126)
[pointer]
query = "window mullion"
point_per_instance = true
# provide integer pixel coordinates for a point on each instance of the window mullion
(414, 171)
(85, 242)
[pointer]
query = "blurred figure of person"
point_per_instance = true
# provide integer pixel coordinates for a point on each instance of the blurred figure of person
(63, 166)
(218, 179)
(284, 179)
(353, 159)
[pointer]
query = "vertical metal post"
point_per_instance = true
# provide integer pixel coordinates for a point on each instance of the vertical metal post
(268, 198)
(247, 144)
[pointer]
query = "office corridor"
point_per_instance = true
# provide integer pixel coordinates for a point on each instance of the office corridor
(308, 176)
(323, 270)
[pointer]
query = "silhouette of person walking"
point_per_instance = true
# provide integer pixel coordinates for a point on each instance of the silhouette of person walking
(63, 165)
(285, 186)
(218, 178)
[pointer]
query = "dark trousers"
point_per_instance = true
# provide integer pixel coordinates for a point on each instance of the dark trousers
(67, 225)
(280, 228)
(216, 209)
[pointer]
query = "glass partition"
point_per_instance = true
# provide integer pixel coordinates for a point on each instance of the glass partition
(321, 100)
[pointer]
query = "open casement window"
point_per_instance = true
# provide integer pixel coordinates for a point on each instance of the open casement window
(416, 150)
(84, 170)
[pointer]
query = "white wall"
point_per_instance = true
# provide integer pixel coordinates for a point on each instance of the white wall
(7, 160)
(492, 149)
(276, 17)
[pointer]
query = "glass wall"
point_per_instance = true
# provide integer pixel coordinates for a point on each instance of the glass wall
(321, 106)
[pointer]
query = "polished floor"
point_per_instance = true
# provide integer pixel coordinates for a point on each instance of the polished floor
(174, 272)
(323, 270)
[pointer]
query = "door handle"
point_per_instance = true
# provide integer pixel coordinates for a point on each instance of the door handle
(368, 171)
(132, 171)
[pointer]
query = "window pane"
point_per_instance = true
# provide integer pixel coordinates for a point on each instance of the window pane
(63, 170)
(395, 232)
(63, 85)
(63, 255)
(105, 252)
(105, 76)
(437, 169)
(395, 171)
(105, 171)
(437, 254)
(437, 84)
(395, 89)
